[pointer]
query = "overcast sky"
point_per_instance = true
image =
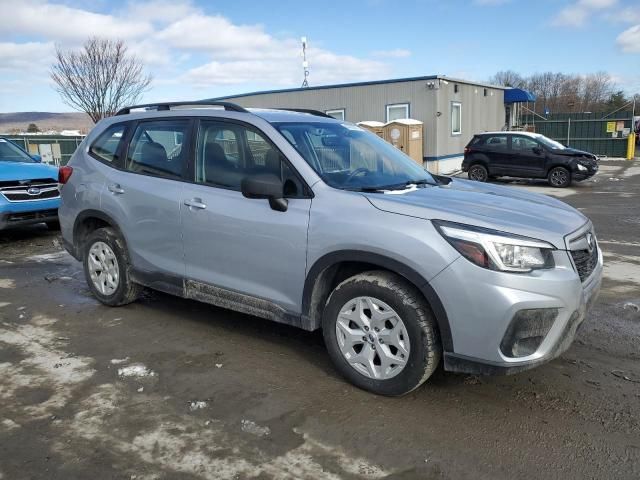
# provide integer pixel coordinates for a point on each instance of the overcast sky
(202, 49)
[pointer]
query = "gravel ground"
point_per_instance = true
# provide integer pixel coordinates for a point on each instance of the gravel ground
(172, 389)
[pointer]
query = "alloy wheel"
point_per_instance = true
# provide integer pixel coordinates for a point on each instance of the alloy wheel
(559, 177)
(478, 174)
(372, 338)
(103, 268)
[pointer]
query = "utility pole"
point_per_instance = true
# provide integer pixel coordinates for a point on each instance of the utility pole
(305, 64)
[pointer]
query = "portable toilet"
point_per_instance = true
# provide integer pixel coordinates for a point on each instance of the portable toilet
(373, 126)
(406, 135)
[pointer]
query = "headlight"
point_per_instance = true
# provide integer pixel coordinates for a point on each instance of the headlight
(497, 250)
(582, 168)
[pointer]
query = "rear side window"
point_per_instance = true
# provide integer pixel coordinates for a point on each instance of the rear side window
(156, 148)
(497, 141)
(105, 148)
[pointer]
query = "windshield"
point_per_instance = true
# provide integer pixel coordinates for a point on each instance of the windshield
(547, 142)
(11, 153)
(350, 158)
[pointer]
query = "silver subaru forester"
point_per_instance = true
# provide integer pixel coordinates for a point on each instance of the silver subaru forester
(306, 220)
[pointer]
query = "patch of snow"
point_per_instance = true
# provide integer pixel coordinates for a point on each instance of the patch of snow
(135, 370)
(118, 361)
(197, 405)
(218, 365)
(7, 283)
(249, 426)
(44, 365)
(48, 257)
(4, 304)
(9, 424)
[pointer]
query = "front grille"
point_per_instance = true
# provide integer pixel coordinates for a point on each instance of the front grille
(585, 261)
(26, 216)
(30, 190)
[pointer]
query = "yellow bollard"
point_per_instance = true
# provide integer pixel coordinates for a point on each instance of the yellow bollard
(631, 146)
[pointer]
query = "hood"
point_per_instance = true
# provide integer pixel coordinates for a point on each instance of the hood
(26, 171)
(572, 152)
(485, 205)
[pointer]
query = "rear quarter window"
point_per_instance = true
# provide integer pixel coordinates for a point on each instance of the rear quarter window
(496, 141)
(106, 146)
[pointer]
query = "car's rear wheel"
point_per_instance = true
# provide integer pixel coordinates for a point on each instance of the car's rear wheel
(381, 334)
(478, 173)
(559, 177)
(107, 268)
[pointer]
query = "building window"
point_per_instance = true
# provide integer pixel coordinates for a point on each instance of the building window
(456, 118)
(456, 88)
(338, 114)
(397, 111)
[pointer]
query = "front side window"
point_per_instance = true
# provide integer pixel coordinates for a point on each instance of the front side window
(337, 114)
(227, 152)
(398, 111)
(550, 143)
(351, 158)
(523, 144)
(157, 148)
(456, 118)
(12, 153)
(106, 146)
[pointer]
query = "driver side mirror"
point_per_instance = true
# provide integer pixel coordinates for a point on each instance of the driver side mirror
(37, 158)
(266, 186)
(537, 150)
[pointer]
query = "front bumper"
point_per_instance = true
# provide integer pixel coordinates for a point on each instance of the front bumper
(28, 213)
(481, 304)
(580, 175)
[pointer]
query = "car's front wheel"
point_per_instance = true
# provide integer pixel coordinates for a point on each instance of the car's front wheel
(107, 268)
(478, 173)
(381, 334)
(559, 177)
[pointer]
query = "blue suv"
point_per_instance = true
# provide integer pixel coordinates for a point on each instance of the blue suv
(29, 190)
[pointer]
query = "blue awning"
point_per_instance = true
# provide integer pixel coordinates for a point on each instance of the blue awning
(517, 95)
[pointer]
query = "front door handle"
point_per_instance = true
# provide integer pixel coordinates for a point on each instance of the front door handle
(195, 203)
(116, 189)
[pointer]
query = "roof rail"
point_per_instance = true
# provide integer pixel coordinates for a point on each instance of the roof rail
(167, 106)
(310, 111)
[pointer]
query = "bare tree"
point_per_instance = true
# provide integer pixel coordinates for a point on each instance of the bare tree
(100, 78)
(562, 93)
(508, 78)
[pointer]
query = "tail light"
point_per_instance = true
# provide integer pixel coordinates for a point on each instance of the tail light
(64, 173)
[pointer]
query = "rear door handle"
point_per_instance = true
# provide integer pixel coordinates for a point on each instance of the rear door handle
(116, 189)
(195, 203)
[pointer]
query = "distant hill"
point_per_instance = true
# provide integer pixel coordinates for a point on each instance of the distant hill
(19, 121)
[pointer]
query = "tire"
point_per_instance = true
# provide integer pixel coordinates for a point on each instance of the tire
(413, 317)
(478, 173)
(559, 177)
(106, 243)
(54, 225)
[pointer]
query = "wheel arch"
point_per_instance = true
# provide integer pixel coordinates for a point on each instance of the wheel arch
(88, 221)
(334, 267)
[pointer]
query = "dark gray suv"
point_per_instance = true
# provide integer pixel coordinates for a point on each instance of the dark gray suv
(313, 222)
(526, 155)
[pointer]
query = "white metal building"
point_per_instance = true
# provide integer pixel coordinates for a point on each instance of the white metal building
(452, 110)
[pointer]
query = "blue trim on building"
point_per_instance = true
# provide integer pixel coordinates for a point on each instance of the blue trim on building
(442, 157)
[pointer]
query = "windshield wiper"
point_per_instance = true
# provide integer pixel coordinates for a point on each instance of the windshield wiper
(403, 185)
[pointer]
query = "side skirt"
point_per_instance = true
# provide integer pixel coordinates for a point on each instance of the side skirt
(220, 297)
